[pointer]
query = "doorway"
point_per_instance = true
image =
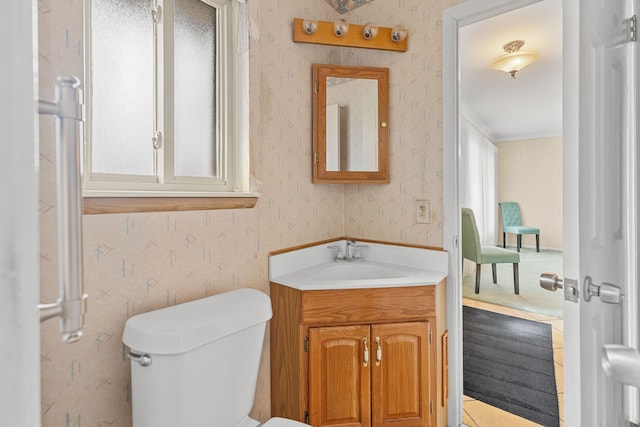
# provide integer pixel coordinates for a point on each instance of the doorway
(455, 21)
(512, 151)
(511, 147)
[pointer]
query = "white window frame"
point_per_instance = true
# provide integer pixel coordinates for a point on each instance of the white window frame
(232, 114)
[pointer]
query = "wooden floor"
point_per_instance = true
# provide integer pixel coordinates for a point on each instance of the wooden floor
(479, 414)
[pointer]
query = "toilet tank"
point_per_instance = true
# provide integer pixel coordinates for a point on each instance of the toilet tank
(205, 356)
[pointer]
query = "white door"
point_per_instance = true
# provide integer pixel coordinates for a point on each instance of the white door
(600, 208)
(19, 239)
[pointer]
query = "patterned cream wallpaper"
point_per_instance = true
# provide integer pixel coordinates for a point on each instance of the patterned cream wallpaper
(387, 212)
(530, 173)
(138, 262)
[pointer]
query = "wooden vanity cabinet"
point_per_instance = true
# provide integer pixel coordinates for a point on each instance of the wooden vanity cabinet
(357, 357)
(370, 375)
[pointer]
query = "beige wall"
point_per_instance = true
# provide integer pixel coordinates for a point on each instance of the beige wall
(139, 262)
(530, 173)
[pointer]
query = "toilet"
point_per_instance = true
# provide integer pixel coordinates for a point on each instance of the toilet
(196, 364)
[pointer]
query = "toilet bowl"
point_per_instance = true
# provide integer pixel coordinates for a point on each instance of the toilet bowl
(196, 364)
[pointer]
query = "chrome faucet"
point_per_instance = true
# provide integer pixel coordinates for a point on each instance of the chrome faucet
(351, 251)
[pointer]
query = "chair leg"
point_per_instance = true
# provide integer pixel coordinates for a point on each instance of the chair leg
(537, 243)
(504, 240)
(516, 281)
(495, 274)
(519, 244)
(478, 270)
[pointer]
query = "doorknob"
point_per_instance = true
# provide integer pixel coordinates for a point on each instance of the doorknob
(621, 363)
(551, 282)
(611, 294)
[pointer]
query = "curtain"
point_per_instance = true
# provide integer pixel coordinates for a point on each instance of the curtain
(478, 180)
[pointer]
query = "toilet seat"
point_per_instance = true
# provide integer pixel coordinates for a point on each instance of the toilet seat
(282, 422)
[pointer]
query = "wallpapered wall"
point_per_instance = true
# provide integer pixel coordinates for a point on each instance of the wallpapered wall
(134, 263)
(530, 173)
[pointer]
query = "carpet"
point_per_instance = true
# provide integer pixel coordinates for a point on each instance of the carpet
(532, 297)
(508, 363)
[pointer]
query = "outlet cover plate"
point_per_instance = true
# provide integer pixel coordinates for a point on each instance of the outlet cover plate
(423, 212)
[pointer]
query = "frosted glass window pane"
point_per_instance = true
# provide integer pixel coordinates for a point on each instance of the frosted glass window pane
(122, 84)
(195, 152)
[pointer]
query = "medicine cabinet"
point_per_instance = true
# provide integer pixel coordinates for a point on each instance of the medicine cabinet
(350, 124)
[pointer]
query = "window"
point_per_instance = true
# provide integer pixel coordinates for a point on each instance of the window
(166, 98)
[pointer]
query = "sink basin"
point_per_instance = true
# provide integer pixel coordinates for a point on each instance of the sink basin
(358, 271)
(354, 275)
(315, 268)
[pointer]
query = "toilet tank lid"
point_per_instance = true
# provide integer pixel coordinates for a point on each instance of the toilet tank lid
(183, 327)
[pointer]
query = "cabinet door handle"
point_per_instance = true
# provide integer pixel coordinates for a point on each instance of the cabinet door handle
(365, 361)
(378, 351)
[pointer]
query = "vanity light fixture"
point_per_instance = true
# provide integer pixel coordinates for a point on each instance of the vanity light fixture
(514, 60)
(370, 30)
(341, 33)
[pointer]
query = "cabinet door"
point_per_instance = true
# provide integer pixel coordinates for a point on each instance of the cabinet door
(339, 376)
(401, 375)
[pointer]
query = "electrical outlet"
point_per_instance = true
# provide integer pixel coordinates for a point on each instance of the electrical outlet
(423, 212)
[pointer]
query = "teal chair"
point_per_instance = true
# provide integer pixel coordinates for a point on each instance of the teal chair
(511, 223)
(474, 251)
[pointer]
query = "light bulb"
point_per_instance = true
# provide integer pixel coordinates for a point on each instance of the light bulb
(309, 26)
(369, 31)
(340, 28)
(398, 33)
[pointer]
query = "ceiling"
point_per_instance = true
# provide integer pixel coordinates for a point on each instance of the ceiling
(529, 106)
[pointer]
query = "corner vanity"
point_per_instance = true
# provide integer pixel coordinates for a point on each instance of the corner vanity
(358, 334)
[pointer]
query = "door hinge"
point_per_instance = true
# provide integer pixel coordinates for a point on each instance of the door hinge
(633, 28)
(316, 86)
(316, 158)
(306, 417)
(431, 407)
(430, 336)
(306, 344)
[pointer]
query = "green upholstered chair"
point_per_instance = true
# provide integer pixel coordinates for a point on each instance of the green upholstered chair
(474, 251)
(511, 223)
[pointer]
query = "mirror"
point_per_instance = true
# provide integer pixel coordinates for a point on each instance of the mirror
(350, 124)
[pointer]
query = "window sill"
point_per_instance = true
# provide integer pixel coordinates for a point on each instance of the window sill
(109, 205)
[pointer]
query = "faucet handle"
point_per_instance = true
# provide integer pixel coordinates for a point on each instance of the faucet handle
(357, 254)
(339, 255)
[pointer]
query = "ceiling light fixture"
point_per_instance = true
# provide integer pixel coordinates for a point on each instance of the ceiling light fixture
(514, 60)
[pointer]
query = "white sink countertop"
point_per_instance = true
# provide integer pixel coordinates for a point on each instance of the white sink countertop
(384, 265)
